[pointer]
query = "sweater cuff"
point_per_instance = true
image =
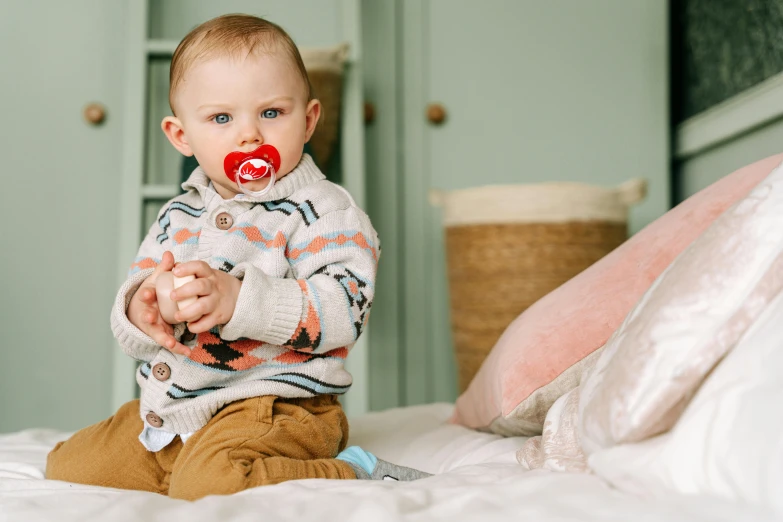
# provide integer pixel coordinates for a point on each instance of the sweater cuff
(268, 309)
(133, 341)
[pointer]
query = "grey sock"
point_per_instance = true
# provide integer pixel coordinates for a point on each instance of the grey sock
(369, 467)
(388, 471)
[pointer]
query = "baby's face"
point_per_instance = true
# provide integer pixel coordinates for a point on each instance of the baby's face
(226, 104)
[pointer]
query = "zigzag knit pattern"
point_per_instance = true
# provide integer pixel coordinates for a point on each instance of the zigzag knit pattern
(307, 257)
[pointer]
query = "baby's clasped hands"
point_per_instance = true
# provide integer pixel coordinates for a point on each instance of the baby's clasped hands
(214, 294)
(144, 310)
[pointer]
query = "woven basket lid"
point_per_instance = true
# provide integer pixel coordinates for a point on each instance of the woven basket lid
(560, 202)
(329, 58)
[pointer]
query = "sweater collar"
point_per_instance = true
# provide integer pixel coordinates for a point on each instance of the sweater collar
(304, 174)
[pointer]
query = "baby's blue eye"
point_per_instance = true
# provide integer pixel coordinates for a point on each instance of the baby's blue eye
(270, 113)
(222, 118)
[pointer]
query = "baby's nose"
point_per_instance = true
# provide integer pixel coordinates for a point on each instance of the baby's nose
(250, 135)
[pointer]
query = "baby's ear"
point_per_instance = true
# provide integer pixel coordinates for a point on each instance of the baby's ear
(173, 130)
(313, 112)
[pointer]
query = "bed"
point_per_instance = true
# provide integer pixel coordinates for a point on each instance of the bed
(477, 478)
(675, 417)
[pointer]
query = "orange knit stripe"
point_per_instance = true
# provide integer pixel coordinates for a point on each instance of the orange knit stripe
(320, 243)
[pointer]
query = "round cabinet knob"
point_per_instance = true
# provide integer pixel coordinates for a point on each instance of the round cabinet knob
(436, 113)
(369, 113)
(95, 113)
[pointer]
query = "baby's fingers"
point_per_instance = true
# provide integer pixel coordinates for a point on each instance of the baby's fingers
(147, 295)
(180, 349)
(196, 268)
(194, 311)
(170, 343)
(204, 323)
(166, 263)
(195, 288)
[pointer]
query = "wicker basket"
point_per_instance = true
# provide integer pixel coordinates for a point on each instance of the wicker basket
(325, 67)
(508, 246)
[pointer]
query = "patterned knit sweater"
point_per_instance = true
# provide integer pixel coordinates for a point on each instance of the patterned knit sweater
(307, 258)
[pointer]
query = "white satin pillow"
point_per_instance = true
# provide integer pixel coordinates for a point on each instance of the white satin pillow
(729, 440)
(691, 316)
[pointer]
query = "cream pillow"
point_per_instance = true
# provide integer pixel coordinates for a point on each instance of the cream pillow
(691, 316)
(729, 441)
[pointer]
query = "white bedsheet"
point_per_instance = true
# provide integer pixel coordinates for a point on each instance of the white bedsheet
(477, 478)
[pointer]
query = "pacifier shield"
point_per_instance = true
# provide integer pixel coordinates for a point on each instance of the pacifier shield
(253, 168)
(253, 165)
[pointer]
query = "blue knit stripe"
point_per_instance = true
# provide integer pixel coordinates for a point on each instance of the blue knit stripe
(288, 207)
(145, 370)
(165, 219)
(308, 213)
(178, 392)
(307, 383)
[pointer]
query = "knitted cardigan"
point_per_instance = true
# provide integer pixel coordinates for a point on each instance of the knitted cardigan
(307, 258)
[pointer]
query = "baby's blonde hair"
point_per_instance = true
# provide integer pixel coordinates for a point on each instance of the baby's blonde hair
(233, 35)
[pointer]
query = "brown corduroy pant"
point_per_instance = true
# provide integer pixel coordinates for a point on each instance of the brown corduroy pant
(248, 443)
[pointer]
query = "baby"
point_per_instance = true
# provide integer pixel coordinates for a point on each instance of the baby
(242, 390)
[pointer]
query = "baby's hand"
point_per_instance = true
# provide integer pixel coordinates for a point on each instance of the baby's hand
(216, 291)
(144, 314)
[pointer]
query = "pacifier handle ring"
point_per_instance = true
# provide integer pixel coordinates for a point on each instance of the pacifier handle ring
(256, 193)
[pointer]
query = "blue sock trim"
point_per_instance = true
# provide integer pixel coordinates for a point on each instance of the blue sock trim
(358, 457)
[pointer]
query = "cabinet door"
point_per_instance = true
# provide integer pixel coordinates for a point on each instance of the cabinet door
(61, 179)
(533, 91)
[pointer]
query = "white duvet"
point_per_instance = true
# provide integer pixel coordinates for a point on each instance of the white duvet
(477, 478)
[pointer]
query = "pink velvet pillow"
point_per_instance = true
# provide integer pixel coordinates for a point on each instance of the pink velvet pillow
(541, 354)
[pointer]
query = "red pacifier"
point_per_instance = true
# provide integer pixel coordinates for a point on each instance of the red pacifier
(242, 167)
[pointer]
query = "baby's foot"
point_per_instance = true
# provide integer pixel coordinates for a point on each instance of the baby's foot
(369, 467)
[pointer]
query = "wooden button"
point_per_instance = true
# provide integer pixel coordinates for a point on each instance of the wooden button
(161, 371)
(224, 221)
(154, 420)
